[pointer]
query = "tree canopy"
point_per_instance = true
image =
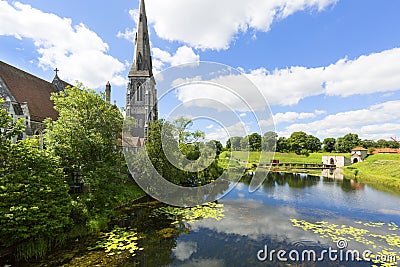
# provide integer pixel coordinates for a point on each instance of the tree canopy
(84, 137)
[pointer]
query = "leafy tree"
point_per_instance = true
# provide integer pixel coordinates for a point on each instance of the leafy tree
(329, 144)
(244, 143)
(302, 143)
(234, 143)
(269, 141)
(297, 142)
(84, 137)
(162, 138)
(254, 142)
(282, 145)
(346, 143)
(183, 134)
(381, 143)
(369, 144)
(313, 144)
(217, 145)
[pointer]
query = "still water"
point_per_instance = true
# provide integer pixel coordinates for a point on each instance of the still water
(290, 212)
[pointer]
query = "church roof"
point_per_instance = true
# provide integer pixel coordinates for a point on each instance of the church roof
(142, 63)
(28, 88)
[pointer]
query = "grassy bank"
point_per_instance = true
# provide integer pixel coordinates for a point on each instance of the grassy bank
(254, 157)
(377, 169)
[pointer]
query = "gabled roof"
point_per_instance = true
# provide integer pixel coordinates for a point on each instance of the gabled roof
(28, 88)
(359, 148)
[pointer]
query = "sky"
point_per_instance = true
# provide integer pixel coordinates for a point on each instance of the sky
(325, 67)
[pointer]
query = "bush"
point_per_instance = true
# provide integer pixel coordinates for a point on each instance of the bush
(35, 204)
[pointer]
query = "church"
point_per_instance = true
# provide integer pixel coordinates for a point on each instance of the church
(141, 96)
(28, 97)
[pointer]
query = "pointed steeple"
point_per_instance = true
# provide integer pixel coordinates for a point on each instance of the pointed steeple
(142, 64)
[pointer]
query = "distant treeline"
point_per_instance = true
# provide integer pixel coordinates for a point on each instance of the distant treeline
(303, 143)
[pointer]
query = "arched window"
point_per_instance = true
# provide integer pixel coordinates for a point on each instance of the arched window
(139, 93)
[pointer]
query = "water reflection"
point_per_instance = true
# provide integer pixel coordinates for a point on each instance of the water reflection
(233, 232)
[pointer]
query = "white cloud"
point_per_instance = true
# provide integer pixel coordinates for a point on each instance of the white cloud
(243, 115)
(78, 52)
(378, 72)
(182, 55)
(130, 33)
(223, 134)
(209, 24)
(375, 122)
(210, 126)
(293, 116)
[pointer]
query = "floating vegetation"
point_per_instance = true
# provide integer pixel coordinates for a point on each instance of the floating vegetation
(386, 246)
(118, 241)
(208, 210)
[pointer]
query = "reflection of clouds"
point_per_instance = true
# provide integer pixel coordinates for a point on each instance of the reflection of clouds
(255, 220)
(203, 262)
(389, 211)
(184, 250)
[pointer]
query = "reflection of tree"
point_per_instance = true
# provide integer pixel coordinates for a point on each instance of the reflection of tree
(293, 180)
(158, 226)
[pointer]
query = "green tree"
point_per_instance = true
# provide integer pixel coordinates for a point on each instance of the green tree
(302, 143)
(369, 144)
(297, 142)
(282, 145)
(313, 144)
(162, 138)
(346, 143)
(254, 142)
(183, 134)
(216, 145)
(329, 144)
(269, 141)
(234, 143)
(382, 143)
(84, 137)
(244, 143)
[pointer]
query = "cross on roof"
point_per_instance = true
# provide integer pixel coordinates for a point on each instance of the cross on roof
(56, 70)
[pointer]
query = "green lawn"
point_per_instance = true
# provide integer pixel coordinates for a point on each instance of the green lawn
(381, 169)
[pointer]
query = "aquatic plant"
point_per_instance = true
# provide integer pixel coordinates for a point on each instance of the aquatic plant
(193, 214)
(385, 246)
(118, 241)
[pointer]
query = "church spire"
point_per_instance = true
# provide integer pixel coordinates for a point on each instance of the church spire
(142, 64)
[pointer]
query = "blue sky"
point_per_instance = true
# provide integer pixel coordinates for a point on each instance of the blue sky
(326, 67)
